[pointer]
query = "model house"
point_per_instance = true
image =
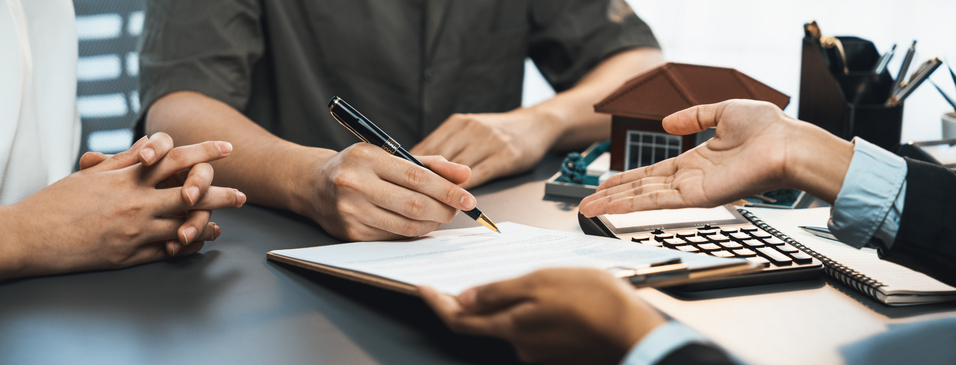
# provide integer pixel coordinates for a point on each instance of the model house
(637, 108)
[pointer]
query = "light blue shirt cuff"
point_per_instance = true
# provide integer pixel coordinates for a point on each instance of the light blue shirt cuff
(870, 203)
(660, 342)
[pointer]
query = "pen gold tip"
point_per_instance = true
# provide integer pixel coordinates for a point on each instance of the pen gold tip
(483, 219)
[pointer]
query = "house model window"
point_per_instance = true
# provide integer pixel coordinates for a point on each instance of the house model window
(637, 108)
(645, 148)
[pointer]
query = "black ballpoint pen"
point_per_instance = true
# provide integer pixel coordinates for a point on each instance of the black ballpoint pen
(368, 132)
(819, 232)
(907, 59)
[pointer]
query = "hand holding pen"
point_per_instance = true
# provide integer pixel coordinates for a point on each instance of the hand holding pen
(363, 193)
(371, 134)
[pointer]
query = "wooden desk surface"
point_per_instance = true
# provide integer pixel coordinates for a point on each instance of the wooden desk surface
(229, 305)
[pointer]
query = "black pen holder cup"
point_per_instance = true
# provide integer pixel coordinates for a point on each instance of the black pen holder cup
(849, 104)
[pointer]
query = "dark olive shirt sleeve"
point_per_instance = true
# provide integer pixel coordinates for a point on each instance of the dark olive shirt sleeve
(569, 38)
(926, 240)
(208, 46)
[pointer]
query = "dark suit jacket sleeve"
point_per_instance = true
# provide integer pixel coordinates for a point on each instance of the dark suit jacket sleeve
(926, 240)
(697, 354)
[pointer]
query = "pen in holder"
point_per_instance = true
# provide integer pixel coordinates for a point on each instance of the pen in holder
(850, 103)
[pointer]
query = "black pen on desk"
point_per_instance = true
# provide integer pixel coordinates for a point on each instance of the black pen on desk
(901, 76)
(819, 232)
(884, 60)
(368, 132)
(918, 78)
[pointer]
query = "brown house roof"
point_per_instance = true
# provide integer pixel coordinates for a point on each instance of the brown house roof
(677, 86)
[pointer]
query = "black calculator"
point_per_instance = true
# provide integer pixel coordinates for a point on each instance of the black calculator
(722, 231)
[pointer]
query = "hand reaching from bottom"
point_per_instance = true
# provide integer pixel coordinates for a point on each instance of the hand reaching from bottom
(556, 316)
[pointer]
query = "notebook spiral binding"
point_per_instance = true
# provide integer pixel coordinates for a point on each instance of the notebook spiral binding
(848, 276)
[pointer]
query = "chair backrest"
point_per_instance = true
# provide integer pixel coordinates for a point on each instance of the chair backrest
(108, 66)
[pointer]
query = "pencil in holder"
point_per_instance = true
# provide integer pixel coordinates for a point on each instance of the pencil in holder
(850, 101)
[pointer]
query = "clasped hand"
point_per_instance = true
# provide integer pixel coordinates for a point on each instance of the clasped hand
(148, 203)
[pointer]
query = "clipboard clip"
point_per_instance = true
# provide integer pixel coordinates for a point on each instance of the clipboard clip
(650, 274)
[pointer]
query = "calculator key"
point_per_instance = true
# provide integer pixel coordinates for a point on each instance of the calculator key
(722, 254)
(773, 241)
(740, 236)
(652, 243)
(731, 244)
(752, 243)
(775, 256)
(657, 231)
(674, 242)
(640, 237)
(760, 234)
(697, 239)
(686, 233)
(688, 248)
(663, 236)
(728, 230)
(718, 238)
(709, 246)
(745, 252)
(760, 261)
(801, 257)
(788, 249)
(748, 229)
(707, 231)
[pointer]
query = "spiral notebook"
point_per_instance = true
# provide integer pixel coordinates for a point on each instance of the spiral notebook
(863, 270)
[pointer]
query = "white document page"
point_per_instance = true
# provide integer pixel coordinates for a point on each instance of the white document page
(455, 260)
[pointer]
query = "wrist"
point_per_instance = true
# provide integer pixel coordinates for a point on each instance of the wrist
(12, 259)
(307, 181)
(546, 123)
(817, 161)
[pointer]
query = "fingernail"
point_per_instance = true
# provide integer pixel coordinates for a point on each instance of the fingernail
(224, 147)
(218, 231)
(138, 143)
(148, 155)
(467, 298)
(468, 202)
(173, 248)
(190, 233)
(192, 193)
(240, 197)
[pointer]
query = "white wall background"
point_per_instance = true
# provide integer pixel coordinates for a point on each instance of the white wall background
(762, 38)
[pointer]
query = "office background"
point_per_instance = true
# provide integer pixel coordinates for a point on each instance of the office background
(759, 38)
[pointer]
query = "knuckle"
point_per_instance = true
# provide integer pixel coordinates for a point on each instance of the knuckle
(415, 207)
(416, 176)
(360, 150)
(345, 210)
(130, 233)
(177, 156)
(450, 196)
(343, 179)
(353, 233)
(412, 229)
